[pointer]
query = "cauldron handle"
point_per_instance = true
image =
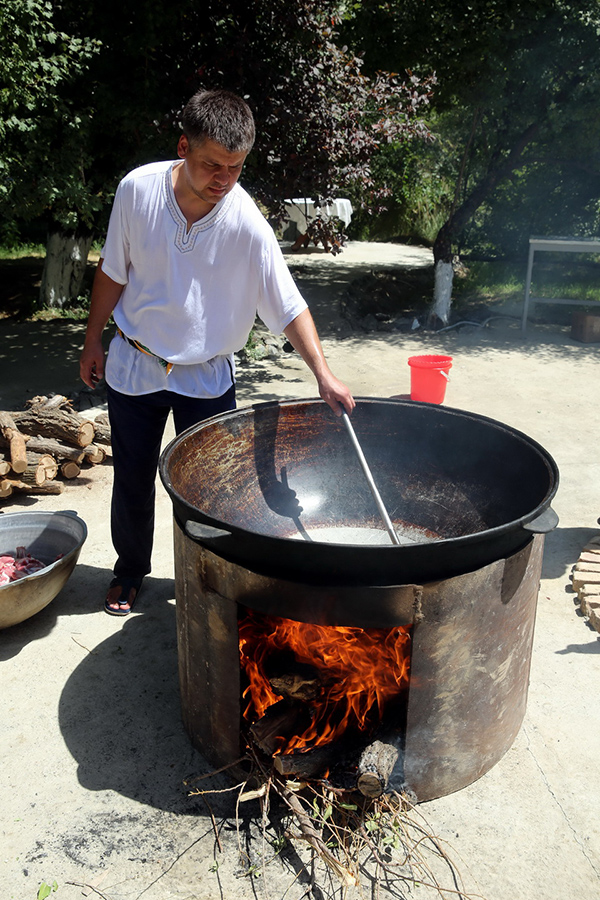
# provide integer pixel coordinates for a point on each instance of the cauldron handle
(199, 531)
(542, 524)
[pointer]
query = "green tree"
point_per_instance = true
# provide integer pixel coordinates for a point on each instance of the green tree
(41, 129)
(320, 121)
(517, 90)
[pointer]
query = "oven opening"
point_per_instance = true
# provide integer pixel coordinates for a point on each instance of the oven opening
(326, 701)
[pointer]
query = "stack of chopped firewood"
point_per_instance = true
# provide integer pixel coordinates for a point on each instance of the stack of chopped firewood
(46, 444)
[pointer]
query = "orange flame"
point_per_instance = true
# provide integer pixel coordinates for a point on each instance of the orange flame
(360, 671)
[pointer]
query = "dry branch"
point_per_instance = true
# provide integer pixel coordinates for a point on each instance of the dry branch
(312, 836)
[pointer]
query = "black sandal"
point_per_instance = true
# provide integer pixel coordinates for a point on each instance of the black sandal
(126, 585)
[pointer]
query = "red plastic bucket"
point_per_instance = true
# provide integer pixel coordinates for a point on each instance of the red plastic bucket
(428, 377)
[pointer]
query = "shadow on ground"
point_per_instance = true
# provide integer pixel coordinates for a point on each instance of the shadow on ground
(120, 713)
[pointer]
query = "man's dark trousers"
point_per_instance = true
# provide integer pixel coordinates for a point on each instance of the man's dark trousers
(137, 428)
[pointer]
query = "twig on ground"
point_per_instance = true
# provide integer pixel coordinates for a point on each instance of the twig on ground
(83, 884)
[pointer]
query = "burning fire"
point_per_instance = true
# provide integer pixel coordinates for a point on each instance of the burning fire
(358, 672)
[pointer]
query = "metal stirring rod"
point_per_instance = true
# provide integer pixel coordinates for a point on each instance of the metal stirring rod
(365, 467)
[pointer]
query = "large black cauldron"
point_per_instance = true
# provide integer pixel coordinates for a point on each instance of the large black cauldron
(277, 488)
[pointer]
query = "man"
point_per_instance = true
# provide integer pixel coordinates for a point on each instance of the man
(188, 263)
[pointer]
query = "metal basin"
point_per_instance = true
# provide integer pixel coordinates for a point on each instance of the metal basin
(46, 535)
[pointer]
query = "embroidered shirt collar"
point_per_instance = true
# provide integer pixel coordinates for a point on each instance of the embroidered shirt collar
(185, 240)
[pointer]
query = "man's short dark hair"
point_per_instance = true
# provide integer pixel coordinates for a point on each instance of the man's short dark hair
(219, 116)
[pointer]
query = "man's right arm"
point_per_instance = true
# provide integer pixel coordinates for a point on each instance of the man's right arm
(105, 296)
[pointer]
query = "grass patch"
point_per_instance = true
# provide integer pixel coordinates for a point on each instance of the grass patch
(37, 251)
(497, 281)
(501, 284)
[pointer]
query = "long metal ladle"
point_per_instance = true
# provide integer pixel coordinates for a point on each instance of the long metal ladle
(365, 467)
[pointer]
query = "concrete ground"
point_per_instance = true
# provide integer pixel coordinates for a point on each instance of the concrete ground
(94, 755)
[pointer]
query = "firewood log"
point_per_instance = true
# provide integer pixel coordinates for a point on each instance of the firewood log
(39, 468)
(280, 721)
(55, 401)
(15, 440)
(69, 469)
(5, 466)
(375, 766)
(33, 475)
(6, 488)
(48, 487)
(94, 454)
(50, 465)
(307, 763)
(57, 449)
(102, 433)
(61, 424)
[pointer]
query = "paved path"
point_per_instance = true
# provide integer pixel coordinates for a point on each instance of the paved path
(94, 754)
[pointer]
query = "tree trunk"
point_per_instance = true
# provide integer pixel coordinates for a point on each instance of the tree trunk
(442, 292)
(64, 267)
(460, 216)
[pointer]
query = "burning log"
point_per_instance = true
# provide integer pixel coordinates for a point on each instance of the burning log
(376, 764)
(61, 424)
(307, 763)
(292, 679)
(282, 721)
(276, 726)
(15, 441)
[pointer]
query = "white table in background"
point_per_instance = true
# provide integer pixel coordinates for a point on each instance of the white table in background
(555, 245)
(302, 210)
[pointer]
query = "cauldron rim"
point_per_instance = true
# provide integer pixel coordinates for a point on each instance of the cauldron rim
(238, 533)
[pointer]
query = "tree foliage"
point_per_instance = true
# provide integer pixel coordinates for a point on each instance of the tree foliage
(518, 86)
(320, 120)
(42, 127)
(517, 89)
(112, 97)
